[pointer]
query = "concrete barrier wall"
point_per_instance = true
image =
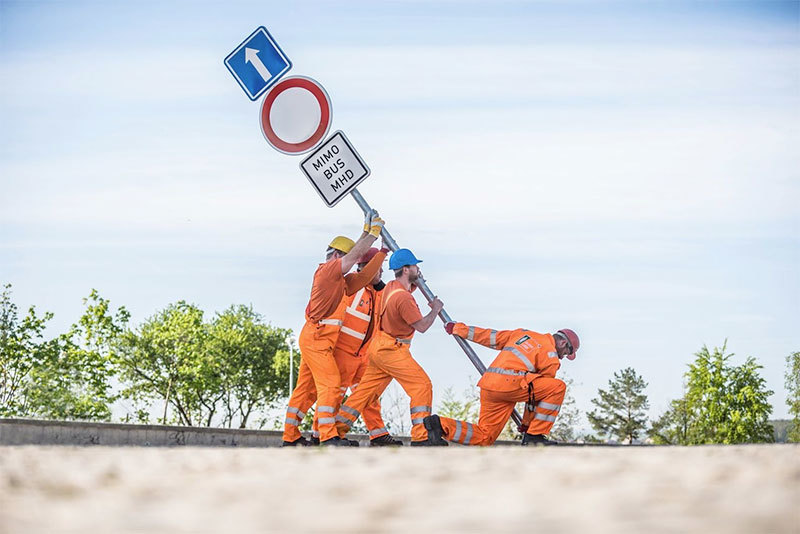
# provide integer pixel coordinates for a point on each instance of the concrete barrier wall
(44, 432)
(39, 432)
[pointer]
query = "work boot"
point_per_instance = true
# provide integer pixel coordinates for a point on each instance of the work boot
(536, 439)
(315, 440)
(385, 441)
(338, 442)
(434, 427)
(302, 442)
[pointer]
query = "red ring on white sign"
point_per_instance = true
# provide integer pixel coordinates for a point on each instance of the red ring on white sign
(322, 98)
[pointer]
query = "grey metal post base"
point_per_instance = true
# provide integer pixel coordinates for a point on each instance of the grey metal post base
(429, 296)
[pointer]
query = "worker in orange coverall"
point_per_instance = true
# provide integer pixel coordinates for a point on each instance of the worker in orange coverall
(390, 355)
(351, 347)
(319, 375)
(523, 371)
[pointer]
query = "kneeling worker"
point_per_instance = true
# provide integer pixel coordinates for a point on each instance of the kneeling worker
(390, 356)
(523, 371)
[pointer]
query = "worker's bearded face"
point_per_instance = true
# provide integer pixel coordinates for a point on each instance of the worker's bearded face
(413, 273)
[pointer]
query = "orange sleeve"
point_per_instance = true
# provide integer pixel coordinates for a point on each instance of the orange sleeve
(355, 281)
(409, 311)
(487, 337)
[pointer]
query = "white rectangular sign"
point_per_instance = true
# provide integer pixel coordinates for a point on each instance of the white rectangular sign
(335, 169)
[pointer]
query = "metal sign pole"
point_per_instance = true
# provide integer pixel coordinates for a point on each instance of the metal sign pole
(429, 296)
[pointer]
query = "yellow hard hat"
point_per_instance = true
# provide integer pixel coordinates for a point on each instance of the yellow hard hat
(340, 242)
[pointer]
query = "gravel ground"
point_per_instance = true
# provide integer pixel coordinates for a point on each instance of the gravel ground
(753, 489)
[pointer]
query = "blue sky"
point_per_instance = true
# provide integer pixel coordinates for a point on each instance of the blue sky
(629, 170)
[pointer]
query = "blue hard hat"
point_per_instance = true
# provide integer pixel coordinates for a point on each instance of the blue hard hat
(401, 258)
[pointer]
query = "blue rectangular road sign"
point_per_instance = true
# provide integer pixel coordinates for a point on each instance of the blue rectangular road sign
(258, 63)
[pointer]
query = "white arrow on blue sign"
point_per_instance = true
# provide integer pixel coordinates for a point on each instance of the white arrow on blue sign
(258, 63)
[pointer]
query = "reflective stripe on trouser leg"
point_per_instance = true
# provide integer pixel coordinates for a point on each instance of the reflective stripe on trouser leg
(319, 359)
(463, 432)
(347, 415)
(419, 413)
(396, 362)
(549, 393)
(495, 411)
(325, 415)
(303, 397)
(372, 411)
(372, 385)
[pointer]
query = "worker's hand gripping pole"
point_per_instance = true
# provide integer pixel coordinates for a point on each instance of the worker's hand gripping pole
(389, 241)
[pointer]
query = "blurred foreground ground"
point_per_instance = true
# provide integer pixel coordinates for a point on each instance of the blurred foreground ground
(502, 489)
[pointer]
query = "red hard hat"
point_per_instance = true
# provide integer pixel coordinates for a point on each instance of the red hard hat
(368, 255)
(572, 337)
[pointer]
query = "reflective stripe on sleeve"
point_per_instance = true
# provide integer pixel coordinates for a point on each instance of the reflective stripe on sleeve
(524, 359)
(351, 332)
(544, 417)
(493, 339)
(501, 371)
(548, 406)
(336, 322)
(418, 409)
(378, 432)
(471, 333)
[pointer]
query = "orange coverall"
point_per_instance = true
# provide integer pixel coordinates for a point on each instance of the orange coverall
(526, 360)
(390, 357)
(350, 353)
(319, 378)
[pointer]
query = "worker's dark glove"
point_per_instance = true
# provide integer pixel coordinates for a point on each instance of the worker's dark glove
(448, 327)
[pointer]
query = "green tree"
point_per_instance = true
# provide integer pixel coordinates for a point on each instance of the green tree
(722, 403)
(167, 360)
(672, 428)
(726, 403)
(621, 411)
(793, 398)
(75, 381)
(253, 361)
(23, 350)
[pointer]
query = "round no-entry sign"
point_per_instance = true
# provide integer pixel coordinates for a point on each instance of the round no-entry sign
(296, 115)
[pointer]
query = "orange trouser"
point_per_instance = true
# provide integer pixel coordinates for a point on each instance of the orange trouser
(352, 368)
(390, 359)
(496, 407)
(318, 379)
